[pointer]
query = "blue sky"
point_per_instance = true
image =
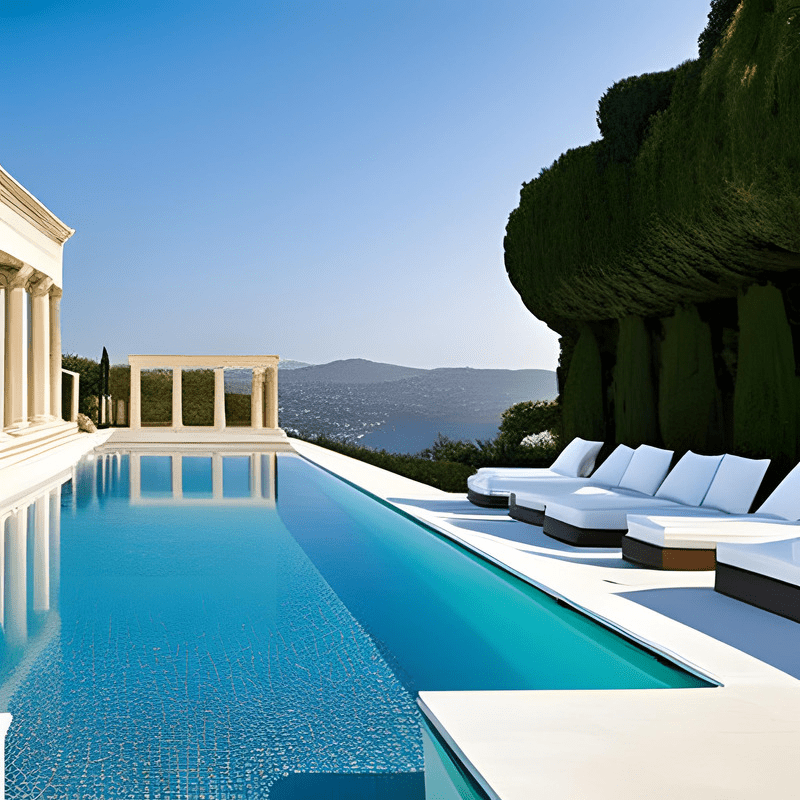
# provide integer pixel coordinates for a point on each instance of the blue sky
(319, 180)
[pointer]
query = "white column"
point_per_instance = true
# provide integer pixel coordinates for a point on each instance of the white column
(177, 476)
(177, 397)
(55, 353)
(75, 403)
(16, 627)
(219, 398)
(136, 397)
(216, 476)
(16, 353)
(257, 398)
(41, 554)
(272, 397)
(40, 350)
(2, 357)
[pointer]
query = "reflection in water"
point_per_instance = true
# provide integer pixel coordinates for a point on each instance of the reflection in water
(29, 575)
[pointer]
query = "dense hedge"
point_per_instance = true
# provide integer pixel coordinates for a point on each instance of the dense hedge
(635, 413)
(689, 403)
(765, 400)
(709, 204)
(582, 407)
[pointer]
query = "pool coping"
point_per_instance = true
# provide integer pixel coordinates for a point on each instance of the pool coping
(512, 742)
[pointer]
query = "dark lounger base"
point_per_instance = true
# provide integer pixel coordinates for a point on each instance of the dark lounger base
(582, 537)
(529, 515)
(487, 500)
(670, 558)
(759, 590)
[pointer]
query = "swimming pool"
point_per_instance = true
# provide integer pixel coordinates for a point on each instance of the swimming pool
(247, 625)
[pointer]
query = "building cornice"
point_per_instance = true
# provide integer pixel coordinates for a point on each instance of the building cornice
(14, 195)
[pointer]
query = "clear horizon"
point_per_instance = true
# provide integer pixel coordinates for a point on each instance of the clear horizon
(321, 183)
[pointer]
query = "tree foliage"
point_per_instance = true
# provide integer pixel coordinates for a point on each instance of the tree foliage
(718, 18)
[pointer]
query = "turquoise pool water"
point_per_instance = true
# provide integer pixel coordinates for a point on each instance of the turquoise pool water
(248, 626)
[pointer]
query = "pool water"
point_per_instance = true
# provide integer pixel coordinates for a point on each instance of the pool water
(249, 626)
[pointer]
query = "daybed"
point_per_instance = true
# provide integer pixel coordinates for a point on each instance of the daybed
(766, 575)
(527, 504)
(689, 542)
(490, 487)
(695, 486)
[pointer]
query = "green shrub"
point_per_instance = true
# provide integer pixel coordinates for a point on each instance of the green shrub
(689, 405)
(198, 396)
(582, 403)
(625, 110)
(766, 392)
(156, 393)
(88, 386)
(635, 412)
(718, 18)
(531, 416)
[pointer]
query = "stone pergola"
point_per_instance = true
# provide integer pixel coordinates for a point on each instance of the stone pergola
(31, 243)
(263, 398)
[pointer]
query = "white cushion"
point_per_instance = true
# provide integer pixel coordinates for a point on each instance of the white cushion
(577, 458)
(610, 472)
(502, 480)
(785, 500)
(536, 494)
(647, 469)
(735, 484)
(607, 511)
(689, 479)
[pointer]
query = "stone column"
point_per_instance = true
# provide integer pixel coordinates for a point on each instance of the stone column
(55, 353)
(136, 396)
(16, 350)
(177, 397)
(40, 350)
(272, 397)
(3, 282)
(257, 398)
(219, 398)
(75, 399)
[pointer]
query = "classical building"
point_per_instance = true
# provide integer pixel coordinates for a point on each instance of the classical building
(31, 248)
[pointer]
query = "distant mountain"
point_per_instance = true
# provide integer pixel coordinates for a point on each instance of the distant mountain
(354, 370)
(289, 364)
(355, 398)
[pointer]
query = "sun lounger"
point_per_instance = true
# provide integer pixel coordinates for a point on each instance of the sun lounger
(491, 486)
(598, 518)
(527, 504)
(689, 542)
(766, 575)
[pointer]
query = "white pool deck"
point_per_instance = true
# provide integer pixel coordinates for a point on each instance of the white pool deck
(740, 739)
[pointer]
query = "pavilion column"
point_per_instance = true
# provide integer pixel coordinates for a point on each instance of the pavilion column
(55, 353)
(40, 350)
(257, 398)
(272, 396)
(219, 398)
(177, 397)
(16, 350)
(136, 397)
(3, 281)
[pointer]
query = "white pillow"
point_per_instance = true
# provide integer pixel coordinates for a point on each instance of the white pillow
(785, 500)
(577, 458)
(735, 484)
(648, 467)
(610, 472)
(690, 479)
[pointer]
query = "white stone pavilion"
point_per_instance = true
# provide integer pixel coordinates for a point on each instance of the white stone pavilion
(31, 244)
